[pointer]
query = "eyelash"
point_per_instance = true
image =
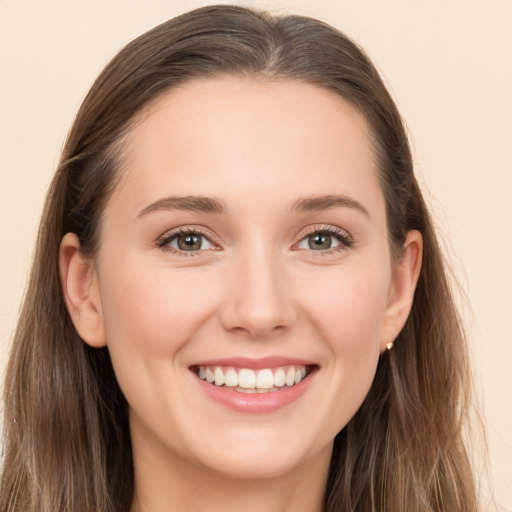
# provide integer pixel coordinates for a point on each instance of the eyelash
(343, 237)
(165, 240)
(345, 240)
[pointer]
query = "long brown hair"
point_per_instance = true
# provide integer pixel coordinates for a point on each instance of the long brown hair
(67, 439)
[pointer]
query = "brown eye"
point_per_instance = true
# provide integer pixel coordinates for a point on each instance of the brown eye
(319, 241)
(189, 242)
(325, 240)
(186, 241)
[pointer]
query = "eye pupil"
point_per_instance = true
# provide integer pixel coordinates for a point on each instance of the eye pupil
(319, 241)
(190, 242)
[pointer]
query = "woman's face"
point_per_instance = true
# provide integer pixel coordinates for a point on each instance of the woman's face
(246, 242)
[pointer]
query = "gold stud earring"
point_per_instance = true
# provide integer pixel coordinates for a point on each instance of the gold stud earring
(389, 346)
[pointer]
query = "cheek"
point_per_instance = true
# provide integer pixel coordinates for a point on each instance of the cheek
(150, 316)
(348, 307)
(348, 317)
(154, 311)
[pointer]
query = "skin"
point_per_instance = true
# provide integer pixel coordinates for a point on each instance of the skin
(257, 288)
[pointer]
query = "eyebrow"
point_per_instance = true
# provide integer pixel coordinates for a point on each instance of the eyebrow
(204, 204)
(319, 203)
(201, 204)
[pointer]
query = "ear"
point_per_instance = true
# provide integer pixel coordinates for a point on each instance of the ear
(81, 292)
(405, 274)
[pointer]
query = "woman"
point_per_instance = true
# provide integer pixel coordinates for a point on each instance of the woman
(238, 299)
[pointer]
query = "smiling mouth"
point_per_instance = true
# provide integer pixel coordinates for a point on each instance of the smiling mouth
(247, 380)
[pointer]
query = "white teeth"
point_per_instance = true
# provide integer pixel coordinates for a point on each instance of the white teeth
(280, 378)
(290, 376)
(219, 376)
(265, 379)
(252, 381)
(231, 378)
(246, 378)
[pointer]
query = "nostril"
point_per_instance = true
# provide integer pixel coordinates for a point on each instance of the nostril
(258, 323)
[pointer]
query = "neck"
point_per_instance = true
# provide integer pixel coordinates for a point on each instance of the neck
(169, 482)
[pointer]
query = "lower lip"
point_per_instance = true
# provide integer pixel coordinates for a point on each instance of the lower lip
(255, 402)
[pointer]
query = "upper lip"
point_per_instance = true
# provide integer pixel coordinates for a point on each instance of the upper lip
(256, 364)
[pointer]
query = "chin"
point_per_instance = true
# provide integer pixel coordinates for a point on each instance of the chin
(256, 457)
(255, 467)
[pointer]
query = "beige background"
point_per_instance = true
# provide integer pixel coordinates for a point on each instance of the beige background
(448, 64)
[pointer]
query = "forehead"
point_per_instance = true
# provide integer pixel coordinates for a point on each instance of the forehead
(208, 137)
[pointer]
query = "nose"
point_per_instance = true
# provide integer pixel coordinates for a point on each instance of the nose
(258, 300)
